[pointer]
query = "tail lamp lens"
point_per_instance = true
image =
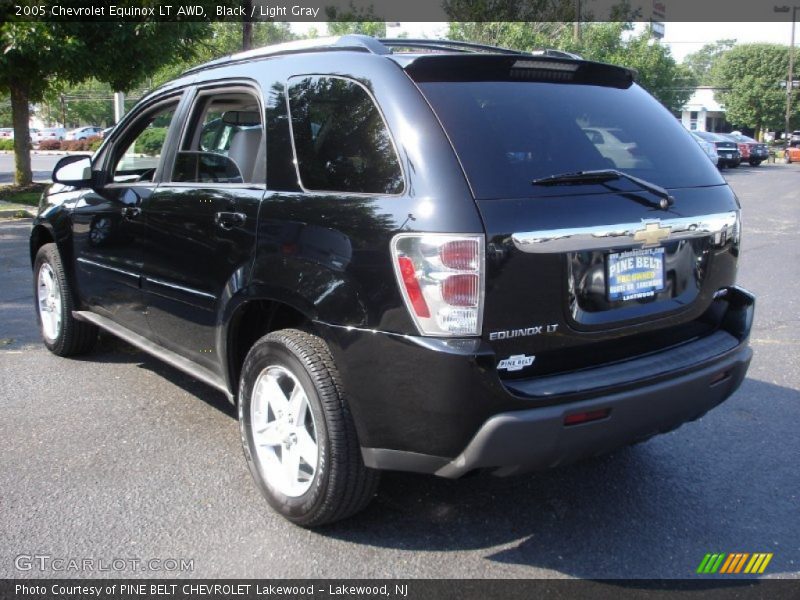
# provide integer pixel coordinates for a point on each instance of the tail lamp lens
(441, 277)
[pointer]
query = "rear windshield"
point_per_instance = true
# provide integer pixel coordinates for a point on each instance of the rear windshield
(508, 133)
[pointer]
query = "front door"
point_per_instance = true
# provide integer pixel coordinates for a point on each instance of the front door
(108, 229)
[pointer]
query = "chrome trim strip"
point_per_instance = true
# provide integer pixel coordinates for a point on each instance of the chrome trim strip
(601, 237)
(175, 286)
(108, 267)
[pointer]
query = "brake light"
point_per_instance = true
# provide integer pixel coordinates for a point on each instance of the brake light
(441, 278)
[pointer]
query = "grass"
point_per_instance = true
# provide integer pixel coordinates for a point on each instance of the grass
(28, 194)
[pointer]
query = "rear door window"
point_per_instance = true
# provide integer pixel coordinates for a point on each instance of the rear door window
(341, 141)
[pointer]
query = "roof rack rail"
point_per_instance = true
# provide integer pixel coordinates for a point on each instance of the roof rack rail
(366, 43)
(450, 45)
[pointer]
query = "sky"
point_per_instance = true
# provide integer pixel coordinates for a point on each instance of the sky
(682, 38)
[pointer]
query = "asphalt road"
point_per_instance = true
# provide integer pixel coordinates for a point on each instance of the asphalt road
(41, 165)
(118, 456)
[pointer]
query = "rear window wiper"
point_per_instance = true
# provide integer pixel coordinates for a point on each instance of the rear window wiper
(600, 176)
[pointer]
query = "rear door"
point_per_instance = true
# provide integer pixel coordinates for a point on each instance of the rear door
(582, 274)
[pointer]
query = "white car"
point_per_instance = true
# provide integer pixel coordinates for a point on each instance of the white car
(82, 133)
(51, 133)
(6, 133)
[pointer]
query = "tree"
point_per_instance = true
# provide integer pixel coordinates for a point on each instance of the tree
(373, 28)
(702, 62)
(225, 38)
(356, 20)
(121, 54)
(749, 78)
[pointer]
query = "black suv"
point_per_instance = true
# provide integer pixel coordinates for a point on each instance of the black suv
(406, 255)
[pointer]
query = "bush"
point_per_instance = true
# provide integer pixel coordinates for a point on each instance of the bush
(94, 142)
(50, 145)
(151, 141)
(6, 144)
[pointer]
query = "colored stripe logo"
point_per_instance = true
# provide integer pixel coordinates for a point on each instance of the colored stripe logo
(734, 563)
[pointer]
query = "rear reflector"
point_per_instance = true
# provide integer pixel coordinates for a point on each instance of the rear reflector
(585, 417)
(412, 287)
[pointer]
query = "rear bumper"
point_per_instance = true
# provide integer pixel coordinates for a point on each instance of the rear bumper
(520, 441)
(437, 406)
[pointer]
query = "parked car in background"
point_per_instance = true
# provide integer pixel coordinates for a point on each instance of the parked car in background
(727, 150)
(709, 148)
(51, 133)
(82, 133)
(794, 139)
(752, 151)
(7, 133)
(792, 154)
(106, 131)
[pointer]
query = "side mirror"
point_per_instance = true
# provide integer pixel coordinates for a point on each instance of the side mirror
(74, 170)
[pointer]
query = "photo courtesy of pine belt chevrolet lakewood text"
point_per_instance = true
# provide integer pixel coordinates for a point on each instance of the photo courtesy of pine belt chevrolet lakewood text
(413, 255)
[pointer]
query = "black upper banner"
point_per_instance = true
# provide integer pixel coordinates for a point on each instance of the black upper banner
(394, 10)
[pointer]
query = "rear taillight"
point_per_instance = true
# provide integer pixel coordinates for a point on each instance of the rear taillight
(441, 277)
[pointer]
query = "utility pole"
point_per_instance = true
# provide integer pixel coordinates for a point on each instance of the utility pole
(790, 78)
(576, 26)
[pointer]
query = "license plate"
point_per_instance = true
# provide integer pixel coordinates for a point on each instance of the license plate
(635, 274)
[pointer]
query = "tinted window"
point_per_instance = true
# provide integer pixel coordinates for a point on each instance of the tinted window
(508, 133)
(145, 141)
(223, 141)
(341, 140)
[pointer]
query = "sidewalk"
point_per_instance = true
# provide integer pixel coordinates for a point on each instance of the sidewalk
(9, 210)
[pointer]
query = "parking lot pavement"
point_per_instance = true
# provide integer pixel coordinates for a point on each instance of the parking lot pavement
(117, 455)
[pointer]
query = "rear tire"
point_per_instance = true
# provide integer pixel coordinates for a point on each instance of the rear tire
(298, 434)
(61, 332)
(755, 163)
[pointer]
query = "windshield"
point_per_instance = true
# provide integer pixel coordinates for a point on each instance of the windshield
(508, 133)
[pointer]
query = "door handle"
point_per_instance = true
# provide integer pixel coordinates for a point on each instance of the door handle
(131, 212)
(229, 220)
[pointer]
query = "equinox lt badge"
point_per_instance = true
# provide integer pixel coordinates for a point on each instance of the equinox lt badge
(516, 362)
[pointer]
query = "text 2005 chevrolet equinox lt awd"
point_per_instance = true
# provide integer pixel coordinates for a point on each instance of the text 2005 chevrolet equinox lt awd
(407, 255)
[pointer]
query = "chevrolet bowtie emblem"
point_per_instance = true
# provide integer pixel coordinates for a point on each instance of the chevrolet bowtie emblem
(652, 234)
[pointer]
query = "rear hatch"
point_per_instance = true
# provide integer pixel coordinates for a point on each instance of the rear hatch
(589, 272)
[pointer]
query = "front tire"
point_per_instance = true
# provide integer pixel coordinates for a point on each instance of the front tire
(298, 435)
(61, 332)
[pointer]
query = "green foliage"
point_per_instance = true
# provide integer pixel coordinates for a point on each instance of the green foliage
(749, 77)
(355, 20)
(373, 28)
(509, 11)
(151, 141)
(6, 145)
(610, 42)
(222, 39)
(702, 62)
(519, 36)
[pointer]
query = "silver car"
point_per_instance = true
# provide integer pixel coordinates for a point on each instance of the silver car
(709, 148)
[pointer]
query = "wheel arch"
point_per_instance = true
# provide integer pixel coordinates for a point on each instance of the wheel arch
(252, 314)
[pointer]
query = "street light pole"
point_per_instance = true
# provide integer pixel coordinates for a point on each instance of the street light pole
(790, 80)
